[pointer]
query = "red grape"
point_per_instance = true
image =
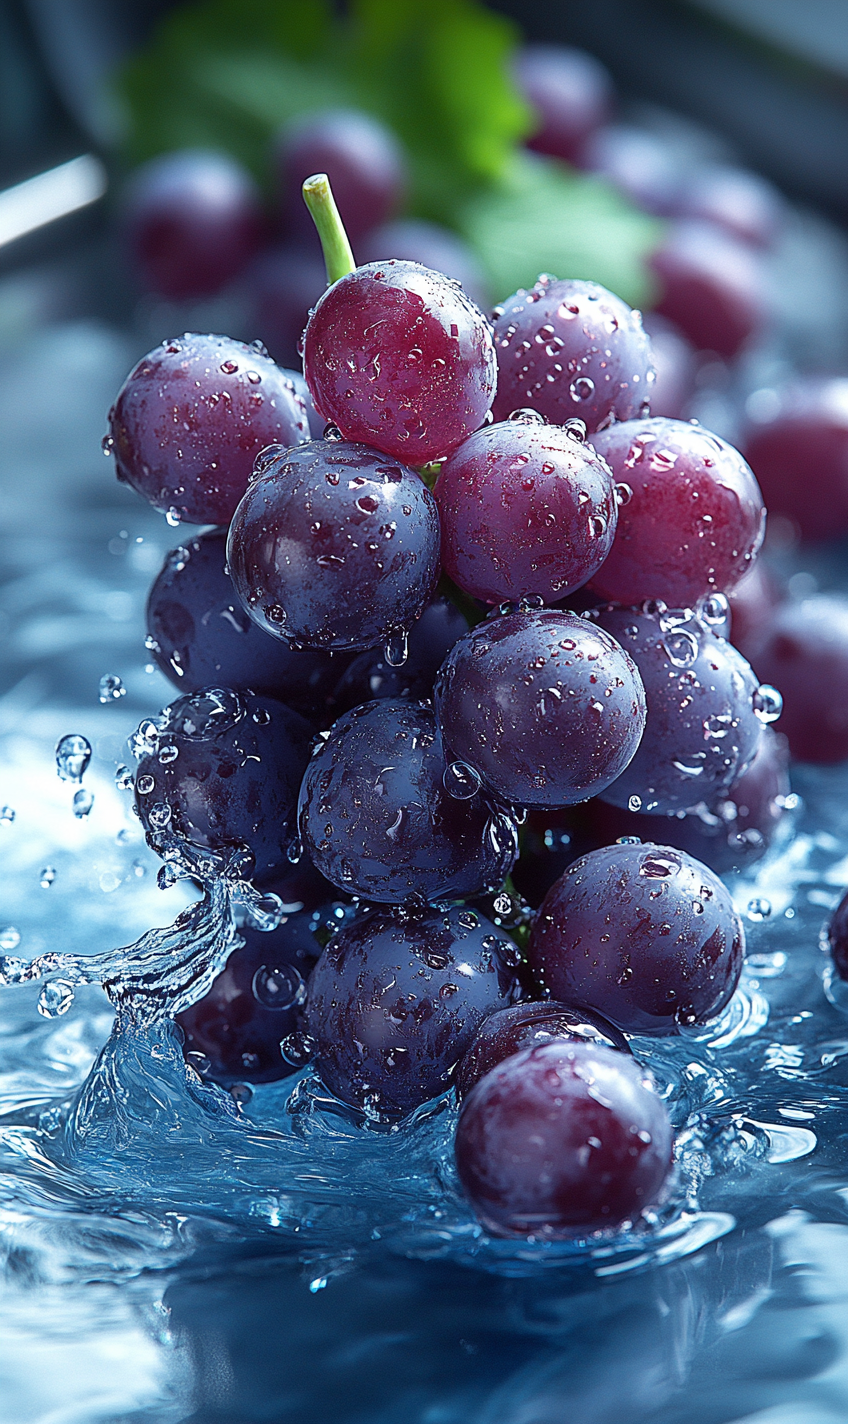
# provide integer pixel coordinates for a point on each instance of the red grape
(361, 157)
(804, 654)
(561, 1140)
(570, 92)
(798, 449)
(837, 937)
(741, 202)
(675, 364)
(527, 1025)
(711, 286)
(639, 163)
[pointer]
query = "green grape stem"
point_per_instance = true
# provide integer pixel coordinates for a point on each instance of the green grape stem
(338, 256)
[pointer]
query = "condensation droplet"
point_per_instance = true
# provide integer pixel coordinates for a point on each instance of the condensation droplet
(767, 703)
(461, 781)
(396, 650)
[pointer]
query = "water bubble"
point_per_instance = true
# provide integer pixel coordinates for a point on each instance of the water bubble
(172, 517)
(396, 650)
(332, 433)
(159, 815)
(767, 703)
(279, 987)
(7, 815)
(575, 429)
(635, 803)
(715, 609)
(264, 911)
(623, 494)
(46, 876)
(681, 648)
(145, 785)
(297, 1048)
(461, 781)
(758, 908)
(55, 999)
(73, 753)
(295, 851)
(525, 415)
(582, 388)
(83, 802)
(10, 938)
(111, 688)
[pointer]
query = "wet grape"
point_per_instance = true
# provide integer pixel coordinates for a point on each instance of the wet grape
(527, 1025)
(562, 1140)
(644, 934)
(395, 1001)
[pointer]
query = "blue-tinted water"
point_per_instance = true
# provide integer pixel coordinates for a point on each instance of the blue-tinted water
(170, 1254)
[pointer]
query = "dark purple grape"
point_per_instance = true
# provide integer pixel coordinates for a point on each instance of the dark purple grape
(362, 159)
(837, 937)
(223, 774)
(644, 934)
(675, 363)
(705, 711)
(233, 1033)
(317, 423)
(641, 164)
(570, 92)
(192, 221)
(527, 1025)
(430, 640)
(742, 203)
(379, 820)
(200, 636)
(190, 420)
(395, 1001)
(282, 285)
(804, 654)
(730, 835)
(545, 706)
(694, 520)
(398, 356)
(334, 546)
(711, 286)
(412, 240)
(562, 1140)
(526, 510)
(798, 449)
(571, 350)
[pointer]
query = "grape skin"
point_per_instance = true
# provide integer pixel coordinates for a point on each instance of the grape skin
(711, 286)
(570, 349)
(397, 356)
(395, 1000)
(191, 418)
(562, 1140)
(545, 706)
(804, 654)
(570, 92)
(334, 546)
(798, 449)
(362, 159)
(525, 510)
(526, 1025)
(379, 822)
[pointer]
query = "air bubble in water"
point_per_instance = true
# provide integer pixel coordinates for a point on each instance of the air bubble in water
(7, 815)
(46, 877)
(759, 908)
(73, 753)
(111, 688)
(279, 987)
(10, 938)
(55, 999)
(297, 1049)
(767, 703)
(461, 781)
(397, 649)
(83, 802)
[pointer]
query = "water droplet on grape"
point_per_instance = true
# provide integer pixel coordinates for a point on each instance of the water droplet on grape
(396, 650)
(681, 648)
(461, 781)
(582, 388)
(767, 703)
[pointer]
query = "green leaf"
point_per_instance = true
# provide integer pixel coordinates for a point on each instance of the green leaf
(544, 217)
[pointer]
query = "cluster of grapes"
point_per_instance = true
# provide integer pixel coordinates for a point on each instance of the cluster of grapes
(367, 743)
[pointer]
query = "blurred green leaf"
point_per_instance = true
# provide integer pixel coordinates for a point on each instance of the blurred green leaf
(544, 217)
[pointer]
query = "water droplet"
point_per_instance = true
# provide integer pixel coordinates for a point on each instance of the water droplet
(597, 526)
(297, 1048)
(767, 703)
(55, 999)
(145, 785)
(715, 609)
(107, 444)
(46, 877)
(168, 754)
(759, 908)
(83, 802)
(575, 429)
(167, 875)
(681, 648)
(241, 1093)
(172, 517)
(525, 415)
(159, 815)
(623, 494)
(279, 987)
(396, 650)
(461, 781)
(73, 753)
(7, 815)
(332, 433)
(582, 388)
(658, 867)
(198, 1061)
(10, 938)
(635, 803)
(295, 851)
(111, 688)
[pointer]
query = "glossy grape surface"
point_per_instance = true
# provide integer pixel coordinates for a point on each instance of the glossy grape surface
(525, 510)
(644, 934)
(562, 1139)
(192, 220)
(379, 821)
(735, 199)
(432, 246)
(702, 729)
(431, 638)
(675, 364)
(527, 1025)
(395, 1001)
(202, 636)
(362, 159)
(397, 356)
(545, 706)
(695, 519)
(191, 418)
(804, 654)
(711, 286)
(233, 1033)
(798, 449)
(640, 164)
(837, 937)
(225, 773)
(570, 92)
(569, 350)
(334, 546)
(752, 605)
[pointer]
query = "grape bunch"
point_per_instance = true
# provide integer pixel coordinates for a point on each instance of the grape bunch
(460, 587)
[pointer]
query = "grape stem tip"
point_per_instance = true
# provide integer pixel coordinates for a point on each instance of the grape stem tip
(338, 256)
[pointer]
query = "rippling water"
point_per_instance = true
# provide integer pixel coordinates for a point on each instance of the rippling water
(171, 1254)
